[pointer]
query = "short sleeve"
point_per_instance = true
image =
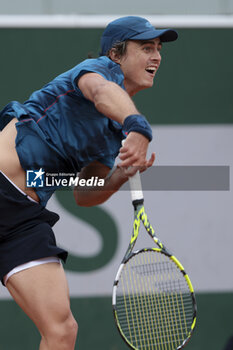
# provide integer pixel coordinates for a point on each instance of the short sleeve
(103, 66)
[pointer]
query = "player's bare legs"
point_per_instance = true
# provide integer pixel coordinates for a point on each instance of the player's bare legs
(42, 293)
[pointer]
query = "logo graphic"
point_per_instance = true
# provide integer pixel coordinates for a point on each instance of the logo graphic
(35, 178)
(149, 25)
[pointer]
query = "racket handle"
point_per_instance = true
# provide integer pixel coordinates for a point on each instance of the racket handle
(135, 185)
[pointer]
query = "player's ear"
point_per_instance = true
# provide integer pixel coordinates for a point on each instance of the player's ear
(115, 56)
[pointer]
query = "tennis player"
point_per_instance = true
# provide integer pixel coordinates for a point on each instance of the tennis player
(75, 123)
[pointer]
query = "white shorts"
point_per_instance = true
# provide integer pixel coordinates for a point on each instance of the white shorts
(30, 264)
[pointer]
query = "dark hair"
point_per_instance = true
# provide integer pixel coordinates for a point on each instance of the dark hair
(119, 47)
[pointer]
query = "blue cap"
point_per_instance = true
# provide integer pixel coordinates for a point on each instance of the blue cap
(132, 28)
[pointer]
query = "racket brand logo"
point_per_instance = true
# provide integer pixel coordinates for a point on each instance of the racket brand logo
(35, 178)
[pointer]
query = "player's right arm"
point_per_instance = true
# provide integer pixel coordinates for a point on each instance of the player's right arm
(108, 97)
(115, 103)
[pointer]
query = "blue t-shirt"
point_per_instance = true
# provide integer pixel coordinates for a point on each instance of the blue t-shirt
(59, 130)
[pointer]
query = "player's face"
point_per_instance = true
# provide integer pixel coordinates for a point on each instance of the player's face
(140, 64)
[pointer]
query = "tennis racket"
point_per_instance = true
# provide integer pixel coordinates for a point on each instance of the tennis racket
(153, 299)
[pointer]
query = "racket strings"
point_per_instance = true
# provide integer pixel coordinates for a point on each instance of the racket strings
(153, 303)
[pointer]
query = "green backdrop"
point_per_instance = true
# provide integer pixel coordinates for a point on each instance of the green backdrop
(97, 330)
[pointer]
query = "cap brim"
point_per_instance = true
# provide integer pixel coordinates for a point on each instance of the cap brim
(165, 35)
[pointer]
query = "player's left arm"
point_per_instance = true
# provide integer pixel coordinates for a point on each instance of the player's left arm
(88, 196)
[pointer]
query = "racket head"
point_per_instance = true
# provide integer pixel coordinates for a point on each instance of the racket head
(153, 301)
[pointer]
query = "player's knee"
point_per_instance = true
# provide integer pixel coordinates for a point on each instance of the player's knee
(62, 335)
(68, 332)
(70, 329)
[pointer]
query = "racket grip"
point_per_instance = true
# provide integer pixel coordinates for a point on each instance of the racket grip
(135, 185)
